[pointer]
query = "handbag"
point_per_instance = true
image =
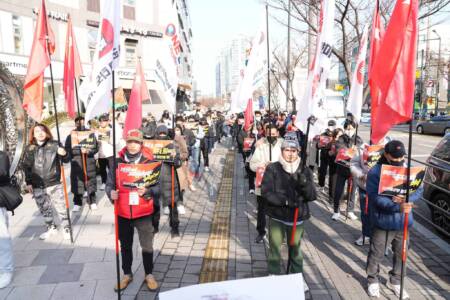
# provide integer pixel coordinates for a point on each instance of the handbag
(10, 196)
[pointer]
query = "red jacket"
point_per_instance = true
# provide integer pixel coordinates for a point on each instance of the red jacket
(145, 206)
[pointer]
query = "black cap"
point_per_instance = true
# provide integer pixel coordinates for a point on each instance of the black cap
(332, 123)
(104, 117)
(395, 148)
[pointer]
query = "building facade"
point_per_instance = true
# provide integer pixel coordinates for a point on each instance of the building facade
(143, 27)
(230, 65)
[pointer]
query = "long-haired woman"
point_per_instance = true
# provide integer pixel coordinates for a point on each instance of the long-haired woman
(42, 165)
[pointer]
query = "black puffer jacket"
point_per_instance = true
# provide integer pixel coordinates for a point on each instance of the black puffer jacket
(283, 193)
(4, 168)
(76, 166)
(42, 165)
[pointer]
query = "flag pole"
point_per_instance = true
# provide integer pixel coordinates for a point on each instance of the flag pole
(288, 60)
(116, 226)
(63, 176)
(268, 72)
(78, 101)
(405, 224)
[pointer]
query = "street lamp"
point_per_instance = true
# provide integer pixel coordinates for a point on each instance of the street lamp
(437, 72)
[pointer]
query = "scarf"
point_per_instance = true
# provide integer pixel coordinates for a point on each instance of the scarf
(132, 158)
(290, 168)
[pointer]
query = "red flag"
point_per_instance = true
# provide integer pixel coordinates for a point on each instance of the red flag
(393, 73)
(33, 99)
(72, 69)
(139, 93)
(375, 43)
(248, 115)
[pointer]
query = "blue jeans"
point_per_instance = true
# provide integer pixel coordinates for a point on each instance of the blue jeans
(194, 164)
(365, 217)
(6, 249)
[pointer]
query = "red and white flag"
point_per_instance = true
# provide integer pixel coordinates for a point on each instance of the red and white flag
(72, 69)
(375, 43)
(355, 98)
(96, 92)
(313, 103)
(139, 93)
(393, 72)
(33, 87)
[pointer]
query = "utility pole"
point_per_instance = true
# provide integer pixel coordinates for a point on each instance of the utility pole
(288, 60)
(436, 109)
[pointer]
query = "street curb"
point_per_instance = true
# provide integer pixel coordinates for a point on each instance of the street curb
(432, 237)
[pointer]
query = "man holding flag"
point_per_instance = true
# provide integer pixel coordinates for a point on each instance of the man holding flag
(393, 78)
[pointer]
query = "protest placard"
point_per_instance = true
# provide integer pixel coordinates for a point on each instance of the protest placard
(163, 150)
(259, 176)
(82, 139)
(248, 143)
(133, 176)
(372, 154)
(393, 180)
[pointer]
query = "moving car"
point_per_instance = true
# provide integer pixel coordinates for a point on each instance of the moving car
(436, 125)
(437, 184)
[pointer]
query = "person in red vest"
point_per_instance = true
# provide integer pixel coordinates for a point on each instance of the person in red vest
(139, 215)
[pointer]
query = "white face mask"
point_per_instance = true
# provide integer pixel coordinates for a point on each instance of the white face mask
(350, 132)
(258, 118)
(331, 128)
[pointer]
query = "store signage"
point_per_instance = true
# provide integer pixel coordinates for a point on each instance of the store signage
(54, 15)
(131, 30)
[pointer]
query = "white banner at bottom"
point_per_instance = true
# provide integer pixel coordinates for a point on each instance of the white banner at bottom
(260, 288)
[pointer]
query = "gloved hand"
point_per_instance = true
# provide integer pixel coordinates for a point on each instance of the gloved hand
(293, 203)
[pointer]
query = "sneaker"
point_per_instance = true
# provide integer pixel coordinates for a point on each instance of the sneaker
(181, 209)
(5, 279)
(374, 290)
(206, 169)
(102, 187)
(51, 230)
(192, 188)
(93, 206)
(396, 289)
(251, 192)
(361, 241)
(259, 238)
(351, 215)
(166, 210)
(76, 208)
(150, 280)
(126, 280)
(336, 216)
(66, 233)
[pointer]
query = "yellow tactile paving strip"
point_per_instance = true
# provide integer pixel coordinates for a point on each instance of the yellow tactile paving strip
(215, 261)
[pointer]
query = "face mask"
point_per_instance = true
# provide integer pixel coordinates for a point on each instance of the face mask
(331, 128)
(177, 132)
(397, 163)
(258, 119)
(272, 139)
(350, 132)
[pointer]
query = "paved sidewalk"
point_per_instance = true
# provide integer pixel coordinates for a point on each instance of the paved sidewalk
(333, 265)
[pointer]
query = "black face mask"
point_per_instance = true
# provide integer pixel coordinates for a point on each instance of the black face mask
(272, 139)
(81, 127)
(397, 163)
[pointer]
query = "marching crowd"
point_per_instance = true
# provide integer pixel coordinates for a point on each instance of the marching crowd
(279, 162)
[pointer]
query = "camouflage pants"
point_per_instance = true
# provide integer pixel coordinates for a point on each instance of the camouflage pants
(48, 198)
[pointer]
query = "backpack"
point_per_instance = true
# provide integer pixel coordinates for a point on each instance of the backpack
(10, 197)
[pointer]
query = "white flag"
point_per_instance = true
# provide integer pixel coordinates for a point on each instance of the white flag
(252, 72)
(168, 60)
(95, 92)
(355, 98)
(313, 103)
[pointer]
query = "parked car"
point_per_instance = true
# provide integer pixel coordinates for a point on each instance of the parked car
(436, 125)
(365, 118)
(437, 184)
